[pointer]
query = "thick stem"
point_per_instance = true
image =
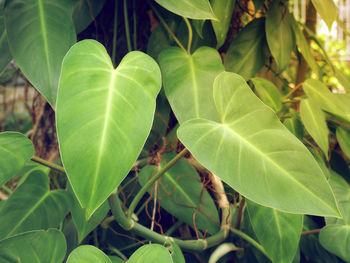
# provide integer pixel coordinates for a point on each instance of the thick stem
(151, 181)
(48, 164)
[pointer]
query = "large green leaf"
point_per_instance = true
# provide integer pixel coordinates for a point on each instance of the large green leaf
(84, 12)
(314, 121)
(84, 226)
(40, 32)
(195, 9)
(343, 137)
(247, 52)
(277, 232)
(87, 254)
(15, 150)
(179, 192)
(34, 247)
(188, 81)
(223, 10)
(109, 136)
(5, 56)
(255, 154)
(279, 34)
(340, 187)
(32, 206)
(327, 10)
(268, 93)
(150, 254)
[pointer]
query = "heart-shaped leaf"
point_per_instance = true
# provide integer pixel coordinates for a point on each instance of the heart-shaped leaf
(34, 247)
(268, 93)
(277, 232)
(195, 9)
(314, 121)
(5, 55)
(40, 29)
(87, 254)
(188, 81)
(15, 150)
(255, 154)
(32, 206)
(150, 254)
(179, 191)
(108, 136)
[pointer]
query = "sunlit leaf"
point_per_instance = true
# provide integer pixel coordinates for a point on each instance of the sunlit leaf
(40, 32)
(34, 247)
(87, 254)
(15, 150)
(327, 10)
(268, 93)
(150, 254)
(255, 154)
(117, 125)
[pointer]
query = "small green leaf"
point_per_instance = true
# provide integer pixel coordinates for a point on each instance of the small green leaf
(340, 187)
(279, 34)
(247, 52)
(5, 55)
(87, 254)
(179, 191)
(176, 253)
(33, 206)
(343, 137)
(314, 121)
(277, 232)
(343, 79)
(34, 247)
(327, 10)
(116, 128)
(115, 259)
(198, 26)
(255, 154)
(84, 12)
(268, 93)
(150, 254)
(195, 9)
(294, 124)
(188, 81)
(15, 150)
(223, 10)
(46, 32)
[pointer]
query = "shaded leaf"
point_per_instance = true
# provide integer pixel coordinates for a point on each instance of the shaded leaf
(115, 259)
(5, 55)
(150, 254)
(268, 93)
(44, 27)
(278, 232)
(340, 187)
(32, 206)
(247, 52)
(116, 127)
(87, 254)
(198, 26)
(15, 150)
(179, 191)
(84, 12)
(343, 137)
(327, 10)
(34, 247)
(188, 81)
(255, 154)
(295, 126)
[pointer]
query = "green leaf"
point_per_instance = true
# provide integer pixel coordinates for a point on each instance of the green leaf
(327, 10)
(268, 93)
(258, 4)
(32, 206)
(255, 154)
(176, 253)
(15, 150)
(343, 137)
(340, 187)
(150, 254)
(223, 10)
(87, 254)
(279, 34)
(84, 227)
(5, 55)
(116, 127)
(336, 239)
(247, 52)
(294, 124)
(343, 79)
(188, 81)
(34, 247)
(328, 101)
(195, 9)
(115, 259)
(46, 32)
(84, 12)
(314, 121)
(179, 192)
(198, 26)
(277, 232)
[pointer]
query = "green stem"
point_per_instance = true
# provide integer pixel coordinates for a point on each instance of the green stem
(173, 228)
(127, 29)
(152, 180)
(162, 21)
(48, 164)
(249, 240)
(135, 23)
(190, 34)
(115, 31)
(118, 252)
(8, 190)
